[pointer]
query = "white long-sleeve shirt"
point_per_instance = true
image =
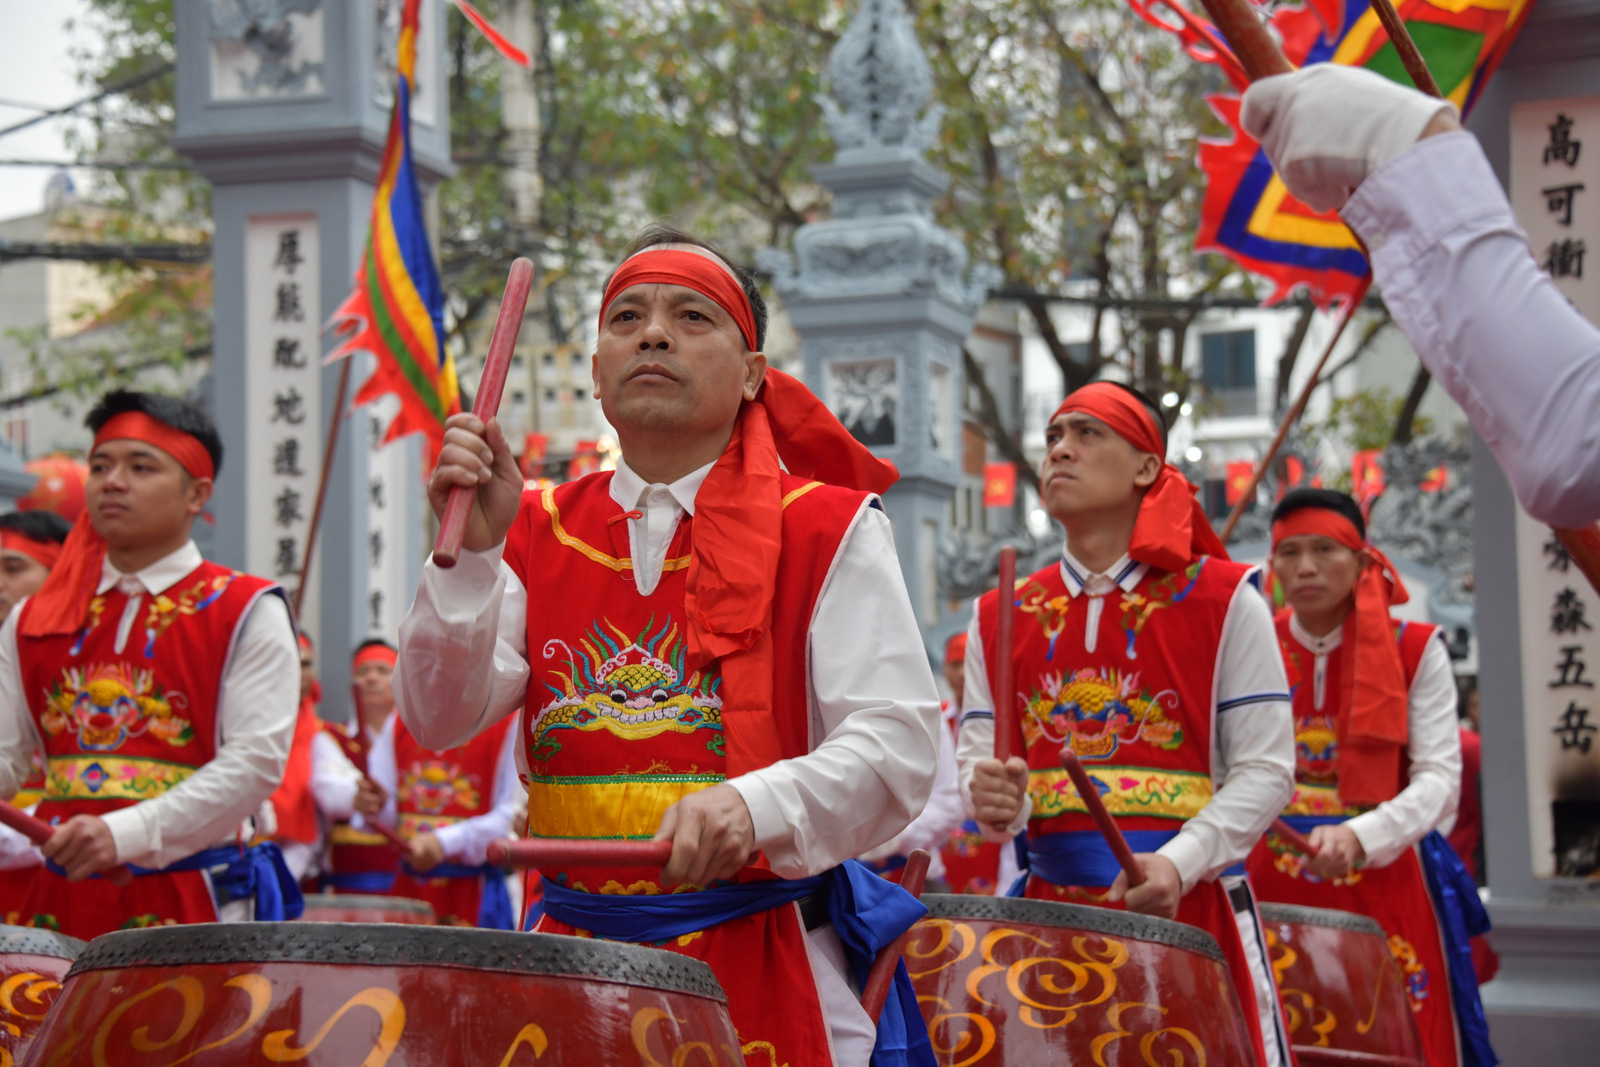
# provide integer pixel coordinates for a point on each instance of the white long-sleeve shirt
(874, 705)
(1252, 765)
(256, 709)
(1433, 743)
(334, 779)
(1456, 273)
(944, 813)
(465, 842)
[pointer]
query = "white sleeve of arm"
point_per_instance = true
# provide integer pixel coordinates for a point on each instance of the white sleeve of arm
(463, 650)
(468, 841)
(975, 738)
(1433, 742)
(878, 707)
(256, 713)
(944, 812)
(1503, 341)
(18, 738)
(334, 779)
(1253, 753)
(381, 768)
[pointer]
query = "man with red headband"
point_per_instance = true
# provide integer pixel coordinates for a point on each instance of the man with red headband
(714, 647)
(30, 544)
(1377, 767)
(161, 688)
(360, 860)
(1151, 655)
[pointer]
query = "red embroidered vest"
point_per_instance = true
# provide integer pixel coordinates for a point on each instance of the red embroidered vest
(1139, 710)
(353, 851)
(1317, 730)
(435, 788)
(616, 727)
(122, 727)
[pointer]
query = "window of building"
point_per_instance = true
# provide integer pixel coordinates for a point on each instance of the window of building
(548, 359)
(1228, 370)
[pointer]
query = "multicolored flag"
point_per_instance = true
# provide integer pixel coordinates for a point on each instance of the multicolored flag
(396, 310)
(1248, 214)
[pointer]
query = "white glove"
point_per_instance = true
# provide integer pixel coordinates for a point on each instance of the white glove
(1326, 127)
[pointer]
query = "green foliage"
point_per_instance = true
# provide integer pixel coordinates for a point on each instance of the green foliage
(1363, 421)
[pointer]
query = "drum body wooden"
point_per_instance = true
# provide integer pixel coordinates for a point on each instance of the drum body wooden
(342, 995)
(1342, 991)
(365, 908)
(1007, 981)
(32, 965)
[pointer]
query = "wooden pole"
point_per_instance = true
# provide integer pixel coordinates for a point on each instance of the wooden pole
(879, 980)
(1410, 55)
(1005, 701)
(38, 831)
(552, 853)
(1102, 818)
(322, 485)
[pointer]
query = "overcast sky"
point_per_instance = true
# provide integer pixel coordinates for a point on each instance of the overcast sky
(34, 69)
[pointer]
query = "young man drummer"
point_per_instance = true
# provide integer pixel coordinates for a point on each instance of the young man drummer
(162, 689)
(712, 650)
(30, 544)
(359, 859)
(1377, 762)
(1152, 655)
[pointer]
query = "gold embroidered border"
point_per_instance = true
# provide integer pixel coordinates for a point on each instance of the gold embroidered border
(413, 824)
(624, 563)
(110, 778)
(342, 833)
(1319, 800)
(800, 492)
(1128, 791)
(612, 806)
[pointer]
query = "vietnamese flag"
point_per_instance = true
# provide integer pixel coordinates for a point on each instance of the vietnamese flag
(1366, 477)
(1438, 478)
(1238, 475)
(999, 485)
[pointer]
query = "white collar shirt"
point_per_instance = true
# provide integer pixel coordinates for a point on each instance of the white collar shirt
(155, 579)
(654, 511)
(1124, 574)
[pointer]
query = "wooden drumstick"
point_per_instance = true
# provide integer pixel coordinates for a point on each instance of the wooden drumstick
(1005, 701)
(1102, 817)
(1243, 26)
(388, 833)
(551, 853)
(491, 386)
(881, 977)
(1295, 839)
(38, 831)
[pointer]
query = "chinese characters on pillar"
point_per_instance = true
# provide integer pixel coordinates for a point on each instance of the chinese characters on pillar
(283, 395)
(391, 484)
(1554, 185)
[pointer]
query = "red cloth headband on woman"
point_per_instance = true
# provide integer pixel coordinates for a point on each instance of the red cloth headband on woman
(1172, 529)
(375, 654)
(692, 271)
(43, 552)
(137, 426)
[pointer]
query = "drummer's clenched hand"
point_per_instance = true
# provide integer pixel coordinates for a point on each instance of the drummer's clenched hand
(1338, 850)
(81, 846)
(370, 797)
(1160, 893)
(426, 852)
(476, 455)
(711, 834)
(997, 791)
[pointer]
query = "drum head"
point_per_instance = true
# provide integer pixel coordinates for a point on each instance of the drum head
(1119, 924)
(1333, 920)
(26, 941)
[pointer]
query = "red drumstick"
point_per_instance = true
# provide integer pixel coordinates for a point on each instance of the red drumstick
(551, 853)
(1294, 838)
(388, 833)
(1102, 817)
(1005, 701)
(453, 525)
(38, 831)
(1243, 26)
(881, 977)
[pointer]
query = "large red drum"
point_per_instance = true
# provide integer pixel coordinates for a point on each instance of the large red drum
(364, 908)
(1007, 981)
(342, 995)
(1344, 998)
(32, 965)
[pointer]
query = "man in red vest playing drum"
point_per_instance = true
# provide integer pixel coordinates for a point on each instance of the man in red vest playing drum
(769, 714)
(162, 689)
(359, 859)
(1152, 655)
(1377, 766)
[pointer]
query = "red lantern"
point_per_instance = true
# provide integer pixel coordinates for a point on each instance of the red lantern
(59, 488)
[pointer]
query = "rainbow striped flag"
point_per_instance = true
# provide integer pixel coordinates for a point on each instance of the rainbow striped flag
(1248, 214)
(396, 310)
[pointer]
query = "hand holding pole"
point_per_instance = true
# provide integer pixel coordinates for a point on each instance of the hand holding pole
(881, 977)
(1102, 817)
(1295, 839)
(1005, 701)
(38, 831)
(491, 387)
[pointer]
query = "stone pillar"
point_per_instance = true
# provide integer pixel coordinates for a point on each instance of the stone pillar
(1541, 780)
(879, 293)
(284, 107)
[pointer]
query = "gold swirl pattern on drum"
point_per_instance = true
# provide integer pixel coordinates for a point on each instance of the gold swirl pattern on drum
(974, 1022)
(750, 1048)
(1147, 1041)
(640, 1028)
(944, 932)
(37, 986)
(1298, 1006)
(391, 1013)
(193, 994)
(1283, 960)
(1377, 998)
(533, 1036)
(1081, 976)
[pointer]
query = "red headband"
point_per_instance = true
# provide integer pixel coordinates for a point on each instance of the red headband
(375, 654)
(137, 426)
(1172, 529)
(1318, 522)
(692, 271)
(44, 552)
(955, 648)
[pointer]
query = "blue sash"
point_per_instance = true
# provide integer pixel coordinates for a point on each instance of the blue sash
(360, 881)
(1461, 917)
(867, 912)
(494, 904)
(1082, 857)
(257, 871)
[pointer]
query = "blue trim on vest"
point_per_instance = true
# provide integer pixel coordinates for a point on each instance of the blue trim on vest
(258, 871)
(1461, 917)
(494, 903)
(867, 912)
(1082, 857)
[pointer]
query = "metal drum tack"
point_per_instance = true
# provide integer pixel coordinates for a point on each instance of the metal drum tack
(32, 964)
(380, 995)
(1006, 981)
(1344, 996)
(366, 908)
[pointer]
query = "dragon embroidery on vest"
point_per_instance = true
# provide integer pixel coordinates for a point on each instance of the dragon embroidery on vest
(1164, 592)
(164, 610)
(104, 706)
(634, 687)
(431, 786)
(1050, 612)
(1098, 711)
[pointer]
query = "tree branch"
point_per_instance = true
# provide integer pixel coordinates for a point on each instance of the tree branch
(989, 416)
